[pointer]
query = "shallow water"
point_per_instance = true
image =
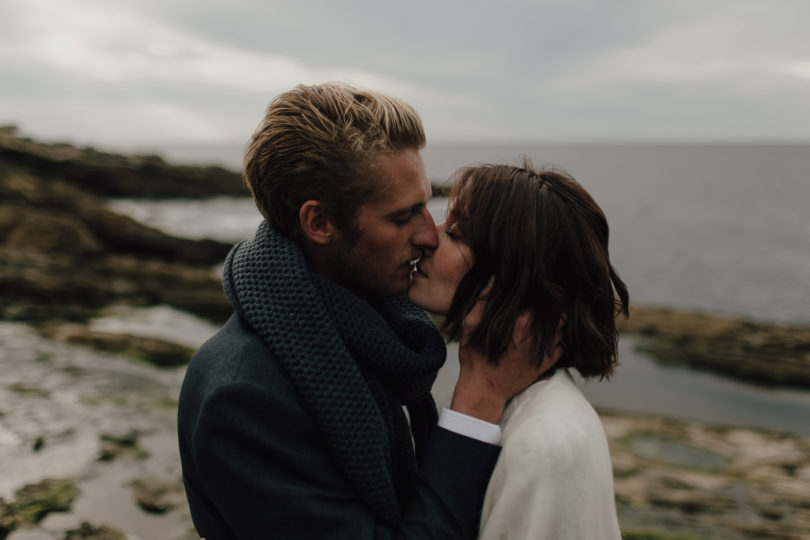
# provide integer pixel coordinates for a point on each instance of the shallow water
(65, 397)
(641, 385)
(715, 227)
(653, 446)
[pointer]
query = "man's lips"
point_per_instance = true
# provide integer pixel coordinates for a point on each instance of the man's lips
(416, 271)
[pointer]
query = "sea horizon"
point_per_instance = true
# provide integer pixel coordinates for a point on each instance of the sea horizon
(717, 228)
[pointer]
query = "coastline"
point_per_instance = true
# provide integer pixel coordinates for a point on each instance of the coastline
(95, 406)
(107, 425)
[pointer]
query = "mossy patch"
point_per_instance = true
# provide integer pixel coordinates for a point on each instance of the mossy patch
(114, 446)
(765, 354)
(158, 495)
(34, 501)
(167, 403)
(657, 535)
(86, 531)
(152, 351)
(28, 390)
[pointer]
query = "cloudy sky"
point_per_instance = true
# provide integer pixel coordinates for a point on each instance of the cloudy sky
(154, 72)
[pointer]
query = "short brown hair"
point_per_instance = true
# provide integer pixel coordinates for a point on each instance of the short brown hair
(541, 241)
(321, 142)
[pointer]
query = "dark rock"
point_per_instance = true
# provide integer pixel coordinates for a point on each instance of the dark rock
(55, 239)
(28, 390)
(86, 531)
(657, 535)
(156, 495)
(41, 215)
(761, 353)
(34, 501)
(8, 519)
(154, 351)
(114, 446)
(39, 444)
(115, 175)
(128, 439)
(63, 256)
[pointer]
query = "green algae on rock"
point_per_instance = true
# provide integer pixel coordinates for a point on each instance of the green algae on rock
(157, 352)
(86, 531)
(158, 495)
(657, 535)
(34, 501)
(768, 354)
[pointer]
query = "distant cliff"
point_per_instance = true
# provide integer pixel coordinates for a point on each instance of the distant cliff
(115, 175)
(64, 255)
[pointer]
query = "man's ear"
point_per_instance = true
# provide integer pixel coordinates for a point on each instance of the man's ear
(315, 224)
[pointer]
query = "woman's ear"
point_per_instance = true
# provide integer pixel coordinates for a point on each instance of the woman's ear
(558, 335)
(315, 224)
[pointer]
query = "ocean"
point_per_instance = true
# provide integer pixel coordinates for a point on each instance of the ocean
(722, 229)
(718, 228)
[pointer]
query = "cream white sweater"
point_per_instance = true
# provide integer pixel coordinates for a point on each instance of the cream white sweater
(553, 479)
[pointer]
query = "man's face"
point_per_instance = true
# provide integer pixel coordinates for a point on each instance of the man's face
(391, 230)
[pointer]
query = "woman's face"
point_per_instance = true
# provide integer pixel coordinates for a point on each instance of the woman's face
(439, 271)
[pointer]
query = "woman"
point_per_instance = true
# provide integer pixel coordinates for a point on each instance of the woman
(533, 245)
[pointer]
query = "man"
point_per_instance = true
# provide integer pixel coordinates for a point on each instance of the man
(291, 418)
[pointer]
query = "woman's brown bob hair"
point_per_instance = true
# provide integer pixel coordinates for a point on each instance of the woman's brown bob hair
(541, 241)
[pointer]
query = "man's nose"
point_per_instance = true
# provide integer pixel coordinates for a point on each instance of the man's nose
(426, 236)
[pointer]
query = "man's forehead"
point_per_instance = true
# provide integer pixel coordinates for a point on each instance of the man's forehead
(403, 179)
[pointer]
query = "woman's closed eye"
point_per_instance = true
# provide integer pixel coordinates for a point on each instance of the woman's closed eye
(453, 235)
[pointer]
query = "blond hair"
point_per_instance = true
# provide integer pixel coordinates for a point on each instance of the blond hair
(321, 142)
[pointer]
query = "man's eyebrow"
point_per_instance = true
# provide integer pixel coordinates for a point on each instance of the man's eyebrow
(412, 209)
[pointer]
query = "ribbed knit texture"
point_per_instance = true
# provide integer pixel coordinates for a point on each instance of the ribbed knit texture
(355, 363)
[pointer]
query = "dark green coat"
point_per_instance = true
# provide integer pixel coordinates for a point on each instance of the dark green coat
(256, 465)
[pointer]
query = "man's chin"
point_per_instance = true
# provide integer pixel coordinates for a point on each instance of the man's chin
(401, 290)
(390, 288)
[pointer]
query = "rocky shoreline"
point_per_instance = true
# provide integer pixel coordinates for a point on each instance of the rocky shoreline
(95, 409)
(101, 427)
(761, 353)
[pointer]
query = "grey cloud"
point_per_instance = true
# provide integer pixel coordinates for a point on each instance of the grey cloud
(567, 69)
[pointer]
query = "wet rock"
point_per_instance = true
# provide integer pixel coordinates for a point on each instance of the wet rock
(707, 481)
(39, 444)
(115, 175)
(8, 519)
(28, 390)
(86, 531)
(128, 439)
(154, 351)
(34, 501)
(42, 287)
(657, 535)
(31, 534)
(693, 503)
(157, 495)
(63, 255)
(41, 229)
(114, 446)
(761, 353)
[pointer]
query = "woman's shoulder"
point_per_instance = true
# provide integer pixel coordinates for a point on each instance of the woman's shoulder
(556, 401)
(553, 420)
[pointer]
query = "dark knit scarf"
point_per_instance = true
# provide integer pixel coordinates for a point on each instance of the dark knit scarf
(355, 363)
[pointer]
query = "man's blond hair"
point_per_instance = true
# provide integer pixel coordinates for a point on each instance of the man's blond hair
(322, 142)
